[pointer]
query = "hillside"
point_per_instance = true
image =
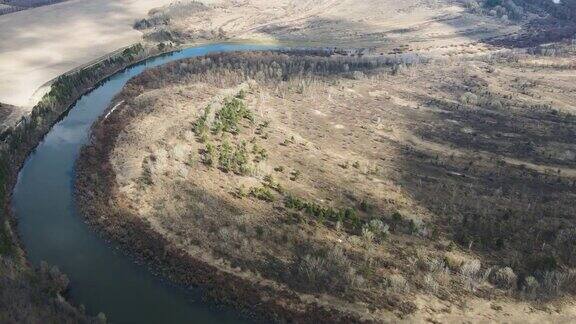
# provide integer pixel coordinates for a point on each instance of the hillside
(88, 30)
(441, 27)
(366, 188)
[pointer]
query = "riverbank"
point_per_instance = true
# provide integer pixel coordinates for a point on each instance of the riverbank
(256, 300)
(268, 219)
(255, 293)
(20, 140)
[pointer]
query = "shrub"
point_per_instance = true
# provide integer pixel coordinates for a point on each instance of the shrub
(345, 216)
(261, 127)
(473, 6)
(260, 153)
(554, 282)
(430, 283)
(311, 270)
(201, 125)
(565, 244)
(397, 283)
(240, 159)
(228, 159)
(504, 278)
(513, 10)
(351, 216)
(328, 269)
(269, 182)
(365, 206)
(241, 94)
(549, 284)
(469, 99)
(146, 178)
(416, 226)
(262, 193)
(367, 234)
(101, 317)
(379, 229)
(470, 271)
(530, 288)
(54, 279)
(397, 217)
(6, 245)
(225, 158)
(240, 192)
(229, 116)
(286, 142)
(453, 261)
(209, 154)
(295, 175)
(338, 226)
(435, 265)
(470, 268)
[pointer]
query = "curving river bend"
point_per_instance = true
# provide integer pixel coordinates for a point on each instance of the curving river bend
(102, 278)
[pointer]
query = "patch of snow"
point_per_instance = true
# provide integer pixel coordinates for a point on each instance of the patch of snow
(113, 108)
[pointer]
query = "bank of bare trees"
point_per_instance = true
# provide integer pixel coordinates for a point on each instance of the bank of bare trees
(279, 66)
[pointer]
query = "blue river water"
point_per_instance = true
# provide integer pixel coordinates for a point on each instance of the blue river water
(102, 277)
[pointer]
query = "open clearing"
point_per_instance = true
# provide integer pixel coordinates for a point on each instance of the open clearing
(382, 25)
(364, 190)
(423, 170)
(42, 43)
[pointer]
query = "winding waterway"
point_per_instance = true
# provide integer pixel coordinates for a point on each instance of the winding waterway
(102, 278)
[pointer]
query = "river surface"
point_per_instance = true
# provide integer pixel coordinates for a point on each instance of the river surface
(102, 278)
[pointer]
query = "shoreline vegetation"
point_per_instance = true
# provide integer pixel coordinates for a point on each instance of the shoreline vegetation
(197, 232)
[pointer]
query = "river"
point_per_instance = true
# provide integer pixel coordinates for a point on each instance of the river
(102, 277)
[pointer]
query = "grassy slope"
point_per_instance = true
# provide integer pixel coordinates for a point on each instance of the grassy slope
(419, 149)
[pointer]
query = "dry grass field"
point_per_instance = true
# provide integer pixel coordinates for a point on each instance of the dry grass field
(423, 171)
(415, 25)
(438, 191)
(42, 43)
